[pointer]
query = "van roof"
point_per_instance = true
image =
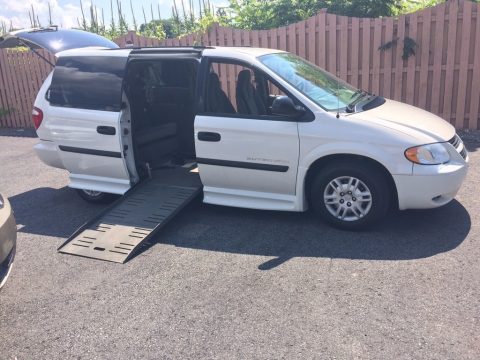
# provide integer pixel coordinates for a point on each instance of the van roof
(220, 51)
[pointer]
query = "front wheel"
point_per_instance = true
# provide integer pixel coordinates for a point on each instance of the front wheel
(350, 196)
(95, 197)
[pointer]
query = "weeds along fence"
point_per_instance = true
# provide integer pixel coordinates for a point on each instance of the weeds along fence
(430, 59)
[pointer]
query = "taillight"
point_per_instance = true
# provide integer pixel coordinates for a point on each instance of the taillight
(37, 117)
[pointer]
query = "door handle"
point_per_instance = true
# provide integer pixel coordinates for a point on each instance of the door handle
(208, 136)
(106, 130)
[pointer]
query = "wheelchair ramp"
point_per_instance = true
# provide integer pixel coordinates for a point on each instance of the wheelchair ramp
(115, 234)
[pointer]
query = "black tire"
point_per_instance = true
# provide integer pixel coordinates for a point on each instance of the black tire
(372, 180)
(97, 198)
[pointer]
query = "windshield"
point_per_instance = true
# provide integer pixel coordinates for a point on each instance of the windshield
(318, 85)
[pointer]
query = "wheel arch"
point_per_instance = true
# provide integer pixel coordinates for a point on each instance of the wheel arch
(324, 161)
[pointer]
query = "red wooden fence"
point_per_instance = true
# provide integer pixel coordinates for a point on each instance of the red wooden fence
(443, 76)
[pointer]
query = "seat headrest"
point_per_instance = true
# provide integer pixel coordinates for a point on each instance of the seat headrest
(214, 79)
(244, 76)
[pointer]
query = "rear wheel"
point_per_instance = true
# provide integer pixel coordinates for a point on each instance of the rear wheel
(95, 197)
(350, 196)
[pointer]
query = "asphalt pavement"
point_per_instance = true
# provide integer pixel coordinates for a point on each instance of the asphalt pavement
(225, 283)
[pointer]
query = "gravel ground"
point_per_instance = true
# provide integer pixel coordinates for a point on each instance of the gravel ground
(223, 283)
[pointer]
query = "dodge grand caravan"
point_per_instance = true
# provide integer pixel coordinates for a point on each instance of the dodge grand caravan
(264, 128)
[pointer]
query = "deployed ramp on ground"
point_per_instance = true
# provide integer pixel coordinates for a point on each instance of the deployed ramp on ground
(116, 233)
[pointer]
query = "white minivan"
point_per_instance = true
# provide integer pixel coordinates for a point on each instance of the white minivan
(267, 129)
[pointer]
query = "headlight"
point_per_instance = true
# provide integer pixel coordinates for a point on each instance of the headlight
(431, 154)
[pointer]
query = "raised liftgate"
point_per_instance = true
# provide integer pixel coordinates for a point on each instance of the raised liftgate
(116, 233)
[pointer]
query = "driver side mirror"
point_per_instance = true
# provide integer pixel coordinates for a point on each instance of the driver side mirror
(284, 106)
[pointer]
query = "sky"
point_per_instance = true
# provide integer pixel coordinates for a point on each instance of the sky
(66, 12)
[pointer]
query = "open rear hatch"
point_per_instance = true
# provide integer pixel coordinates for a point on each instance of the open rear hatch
(54, 39)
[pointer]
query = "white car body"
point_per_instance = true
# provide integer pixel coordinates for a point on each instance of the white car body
(381, 134)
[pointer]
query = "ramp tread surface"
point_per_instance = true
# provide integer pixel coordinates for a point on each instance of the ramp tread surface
(117, 233)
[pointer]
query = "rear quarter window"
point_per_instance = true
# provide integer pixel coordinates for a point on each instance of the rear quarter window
(88, 82)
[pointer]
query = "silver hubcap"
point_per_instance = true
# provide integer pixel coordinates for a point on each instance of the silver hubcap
(347, 198)
(92, 193)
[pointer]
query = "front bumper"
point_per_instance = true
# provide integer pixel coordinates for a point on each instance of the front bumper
(8, 239)
(430, 186)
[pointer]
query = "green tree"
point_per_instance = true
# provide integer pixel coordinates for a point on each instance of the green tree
(185, 21)
(266, 14)
(168, 25)
(252, 14)
(366, 8)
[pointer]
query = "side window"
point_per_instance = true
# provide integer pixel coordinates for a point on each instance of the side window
(88, 82)
(234, 89)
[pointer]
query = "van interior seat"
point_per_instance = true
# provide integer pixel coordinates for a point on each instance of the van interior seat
(248, 101)
(262, 97)
(217, 101)
(176, 105)
(155, 133)
(161, 95)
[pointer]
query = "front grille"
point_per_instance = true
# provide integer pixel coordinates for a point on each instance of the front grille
(457, 143)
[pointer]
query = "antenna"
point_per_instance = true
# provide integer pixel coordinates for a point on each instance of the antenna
(338, 98)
